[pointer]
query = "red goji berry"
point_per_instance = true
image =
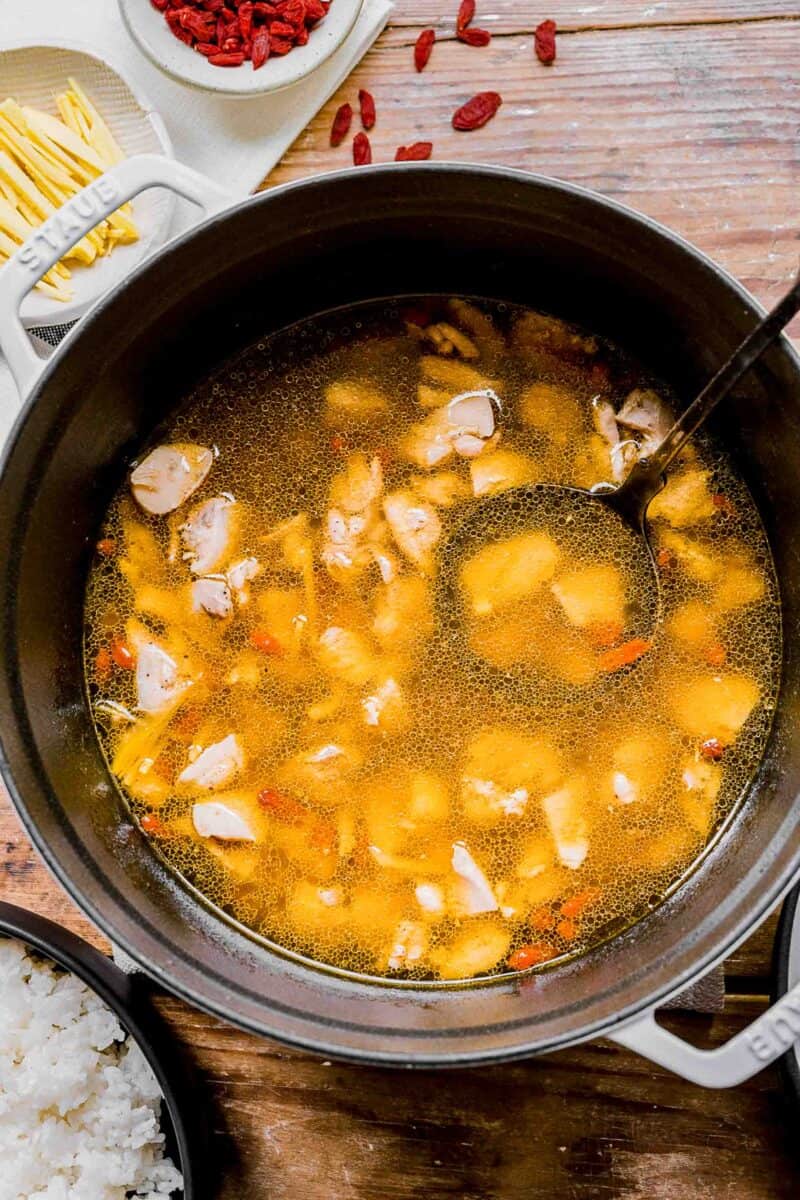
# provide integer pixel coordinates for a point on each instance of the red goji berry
(367, 105)
(262, 639)
(723, 505)
(362, 151)
(281, 29)
(474, 37)
(465, 15)
(260, 49)
(423, 47)
(279, 45)
(416, 152)
(122, 655)
(477, 111)
(530, 955)
(279, 805)
(567, 929)
(245, 16)
(106, 547)
(206, 48)
(315, 11)
(715, 655)
(341, 124)
(712, 749)
(226, 60)
(666, 558)
(103, 665)
(544, 41)
(153, 825)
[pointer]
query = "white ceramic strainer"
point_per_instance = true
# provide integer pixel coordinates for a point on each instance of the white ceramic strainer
(33, 74)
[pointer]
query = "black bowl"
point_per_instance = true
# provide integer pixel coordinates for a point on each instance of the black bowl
(129, 997)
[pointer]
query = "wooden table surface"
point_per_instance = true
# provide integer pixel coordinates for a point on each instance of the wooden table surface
(690, 111)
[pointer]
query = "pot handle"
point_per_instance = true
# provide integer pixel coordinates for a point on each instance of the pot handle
(769, 1036)
(74, 220)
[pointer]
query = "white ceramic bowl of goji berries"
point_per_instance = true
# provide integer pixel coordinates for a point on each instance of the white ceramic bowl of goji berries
(239, 47)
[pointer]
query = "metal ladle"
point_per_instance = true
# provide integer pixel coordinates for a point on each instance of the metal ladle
(626, 505)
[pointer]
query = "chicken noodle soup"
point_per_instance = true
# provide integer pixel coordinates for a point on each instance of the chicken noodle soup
(300, 667)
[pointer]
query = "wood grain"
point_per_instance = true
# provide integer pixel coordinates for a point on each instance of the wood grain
(689, 111)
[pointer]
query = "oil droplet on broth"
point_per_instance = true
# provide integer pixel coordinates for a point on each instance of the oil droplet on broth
(579, 795)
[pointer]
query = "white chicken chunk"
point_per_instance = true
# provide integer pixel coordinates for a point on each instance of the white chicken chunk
(472, 890)
(207, 534)
(685, 499)
(409, 945)
(213, 596)
(464, 427)
(645, 413)
(415, 526)
(212, 818)
(502, 573)
(385, 709)
(159, 684)
(499, 470)
(169, 475)
(622, 452)
(353, 400)
(215, 766)
(346, 655)
(240, 574)
(429, 897)
(350, 523)
(564, 813)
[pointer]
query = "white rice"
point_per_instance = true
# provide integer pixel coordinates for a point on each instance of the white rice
(79, 1104)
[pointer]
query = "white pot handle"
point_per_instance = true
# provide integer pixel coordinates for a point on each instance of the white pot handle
(74, 220)
(770, 1036)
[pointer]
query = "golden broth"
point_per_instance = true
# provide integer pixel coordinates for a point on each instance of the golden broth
(386, 748)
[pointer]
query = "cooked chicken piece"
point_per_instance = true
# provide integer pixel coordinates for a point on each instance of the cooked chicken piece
(534, 332)
(432, 397)
(502, 768)
(354, 400)
(351, 519)
(473, 413)
(739, 584)
(403, 614)
(483, 799)
(429, 801)
(215, 766)
(213, 596)
(415, 526)
(565, 814)
(159, 684)
(169, 475)
(316, 910)
(592, 595)
(229, 819)
(385, 708)
(479, 326)
(639, 765)
(142, 560)
(646, 414)
(622, 452)
(503, 573)
(347, 656)
(386, 561)
(208, 534)
(448, 340)
(471, 892)
(692, 624)
(407, 865)
(322, 770)
(444, 489)
(538, 856)
(430, 898)
(431, 441)
(685, 499)
(702, 781)
(409, 945)
(554, 410)
(476, 949)
(498, 470)
(694, 560)
(453, 376)
(714, 706)
(239, 575)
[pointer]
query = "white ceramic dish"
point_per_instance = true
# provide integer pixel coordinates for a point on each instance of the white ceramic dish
(33, 74)
(150, 31)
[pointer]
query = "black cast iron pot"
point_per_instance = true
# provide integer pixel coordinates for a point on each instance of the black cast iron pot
(247, 271)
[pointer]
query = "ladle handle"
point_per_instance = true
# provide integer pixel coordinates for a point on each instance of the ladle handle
(726, 378)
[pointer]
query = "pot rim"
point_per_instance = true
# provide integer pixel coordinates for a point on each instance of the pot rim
(722, 942)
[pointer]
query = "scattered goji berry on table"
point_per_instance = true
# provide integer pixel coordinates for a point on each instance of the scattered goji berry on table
(474, 37)
(367, 105)
(423, 47)
(466, 14)
(544, 41)
(341, 124)
(416, 152)
(362, 151)
(477, 111)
